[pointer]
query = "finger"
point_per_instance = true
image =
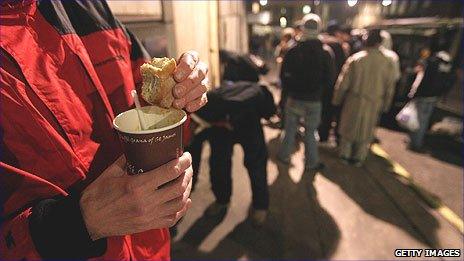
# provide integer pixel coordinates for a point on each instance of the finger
(172, 219)
(162, 175)
(185, 65)
(194, 94)
(197, 104)
(174, 189)
(173, 206)
(173, 172)
(182, 213)
(196, 76)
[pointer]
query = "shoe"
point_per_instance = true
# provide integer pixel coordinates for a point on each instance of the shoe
(357, 163)
(258, 217)
(317, 167)
(345, 161)
(216, 209)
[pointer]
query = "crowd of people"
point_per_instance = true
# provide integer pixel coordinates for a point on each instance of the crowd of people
(334, 85)
(325, 86)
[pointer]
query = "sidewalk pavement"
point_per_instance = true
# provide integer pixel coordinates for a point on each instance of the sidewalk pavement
(345, 213)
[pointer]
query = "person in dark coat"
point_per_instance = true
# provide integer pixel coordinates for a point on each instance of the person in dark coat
(334, 39)
(233, 116)
(307, 71)
(434, 79)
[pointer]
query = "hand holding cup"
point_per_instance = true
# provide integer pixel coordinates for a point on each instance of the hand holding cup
(118, 204)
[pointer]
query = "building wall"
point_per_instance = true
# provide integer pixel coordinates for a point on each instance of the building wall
(204, 26)
(233, 34)
(192, 25)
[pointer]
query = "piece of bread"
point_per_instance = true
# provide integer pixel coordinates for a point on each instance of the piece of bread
(158, 81)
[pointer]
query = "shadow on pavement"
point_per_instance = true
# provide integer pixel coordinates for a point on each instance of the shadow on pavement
(444, 148)
(380, 194)
(297, 227)
(441, 147)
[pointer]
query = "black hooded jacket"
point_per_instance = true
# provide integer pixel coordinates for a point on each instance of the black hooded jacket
(307, 70)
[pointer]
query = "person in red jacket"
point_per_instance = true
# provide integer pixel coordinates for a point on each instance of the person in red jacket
(67, 68)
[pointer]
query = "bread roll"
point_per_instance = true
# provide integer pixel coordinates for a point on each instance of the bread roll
(158, 81)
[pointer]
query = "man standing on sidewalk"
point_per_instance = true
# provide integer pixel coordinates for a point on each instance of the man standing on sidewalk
(365, 87)
(307, 70)
(434, 79)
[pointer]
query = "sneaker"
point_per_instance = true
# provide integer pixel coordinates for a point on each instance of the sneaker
(216, 209)
(258, 217)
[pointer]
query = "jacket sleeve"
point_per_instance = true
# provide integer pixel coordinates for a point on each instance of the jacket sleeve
(286, 70)
(49, 228)
(343, 83)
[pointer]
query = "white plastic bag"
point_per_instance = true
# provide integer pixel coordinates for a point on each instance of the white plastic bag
(407, 117)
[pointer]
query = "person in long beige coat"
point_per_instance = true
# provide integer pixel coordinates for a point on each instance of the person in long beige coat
(365, 89)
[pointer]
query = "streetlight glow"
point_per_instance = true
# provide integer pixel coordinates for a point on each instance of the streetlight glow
(255, 8)
(265, 17)
(283, 22)
(263, 2)
(352, 3)
(306, 9)
(386, 2)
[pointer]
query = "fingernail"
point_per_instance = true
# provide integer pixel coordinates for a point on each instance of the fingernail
(179, 90)
(191, 63)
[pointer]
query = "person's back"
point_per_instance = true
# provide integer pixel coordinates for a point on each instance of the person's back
(372, 67)
(306, 70)
(365, 87)
(330, 112)
(337, 48)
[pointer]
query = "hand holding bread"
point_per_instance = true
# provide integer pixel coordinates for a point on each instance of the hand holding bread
(182, 85)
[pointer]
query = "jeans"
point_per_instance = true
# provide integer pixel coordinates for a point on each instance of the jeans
(311, 113)
(425, 106)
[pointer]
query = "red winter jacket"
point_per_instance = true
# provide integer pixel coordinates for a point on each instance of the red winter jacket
(67, 67)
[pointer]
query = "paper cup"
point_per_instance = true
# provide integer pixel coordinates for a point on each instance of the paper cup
(148, 149)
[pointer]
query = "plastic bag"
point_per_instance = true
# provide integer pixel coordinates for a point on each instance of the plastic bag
(407, 117)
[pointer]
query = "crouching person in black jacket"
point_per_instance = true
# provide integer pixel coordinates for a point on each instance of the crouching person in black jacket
(233, 115)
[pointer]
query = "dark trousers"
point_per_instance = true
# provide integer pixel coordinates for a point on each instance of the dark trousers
(250, 136)
(329, 114)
